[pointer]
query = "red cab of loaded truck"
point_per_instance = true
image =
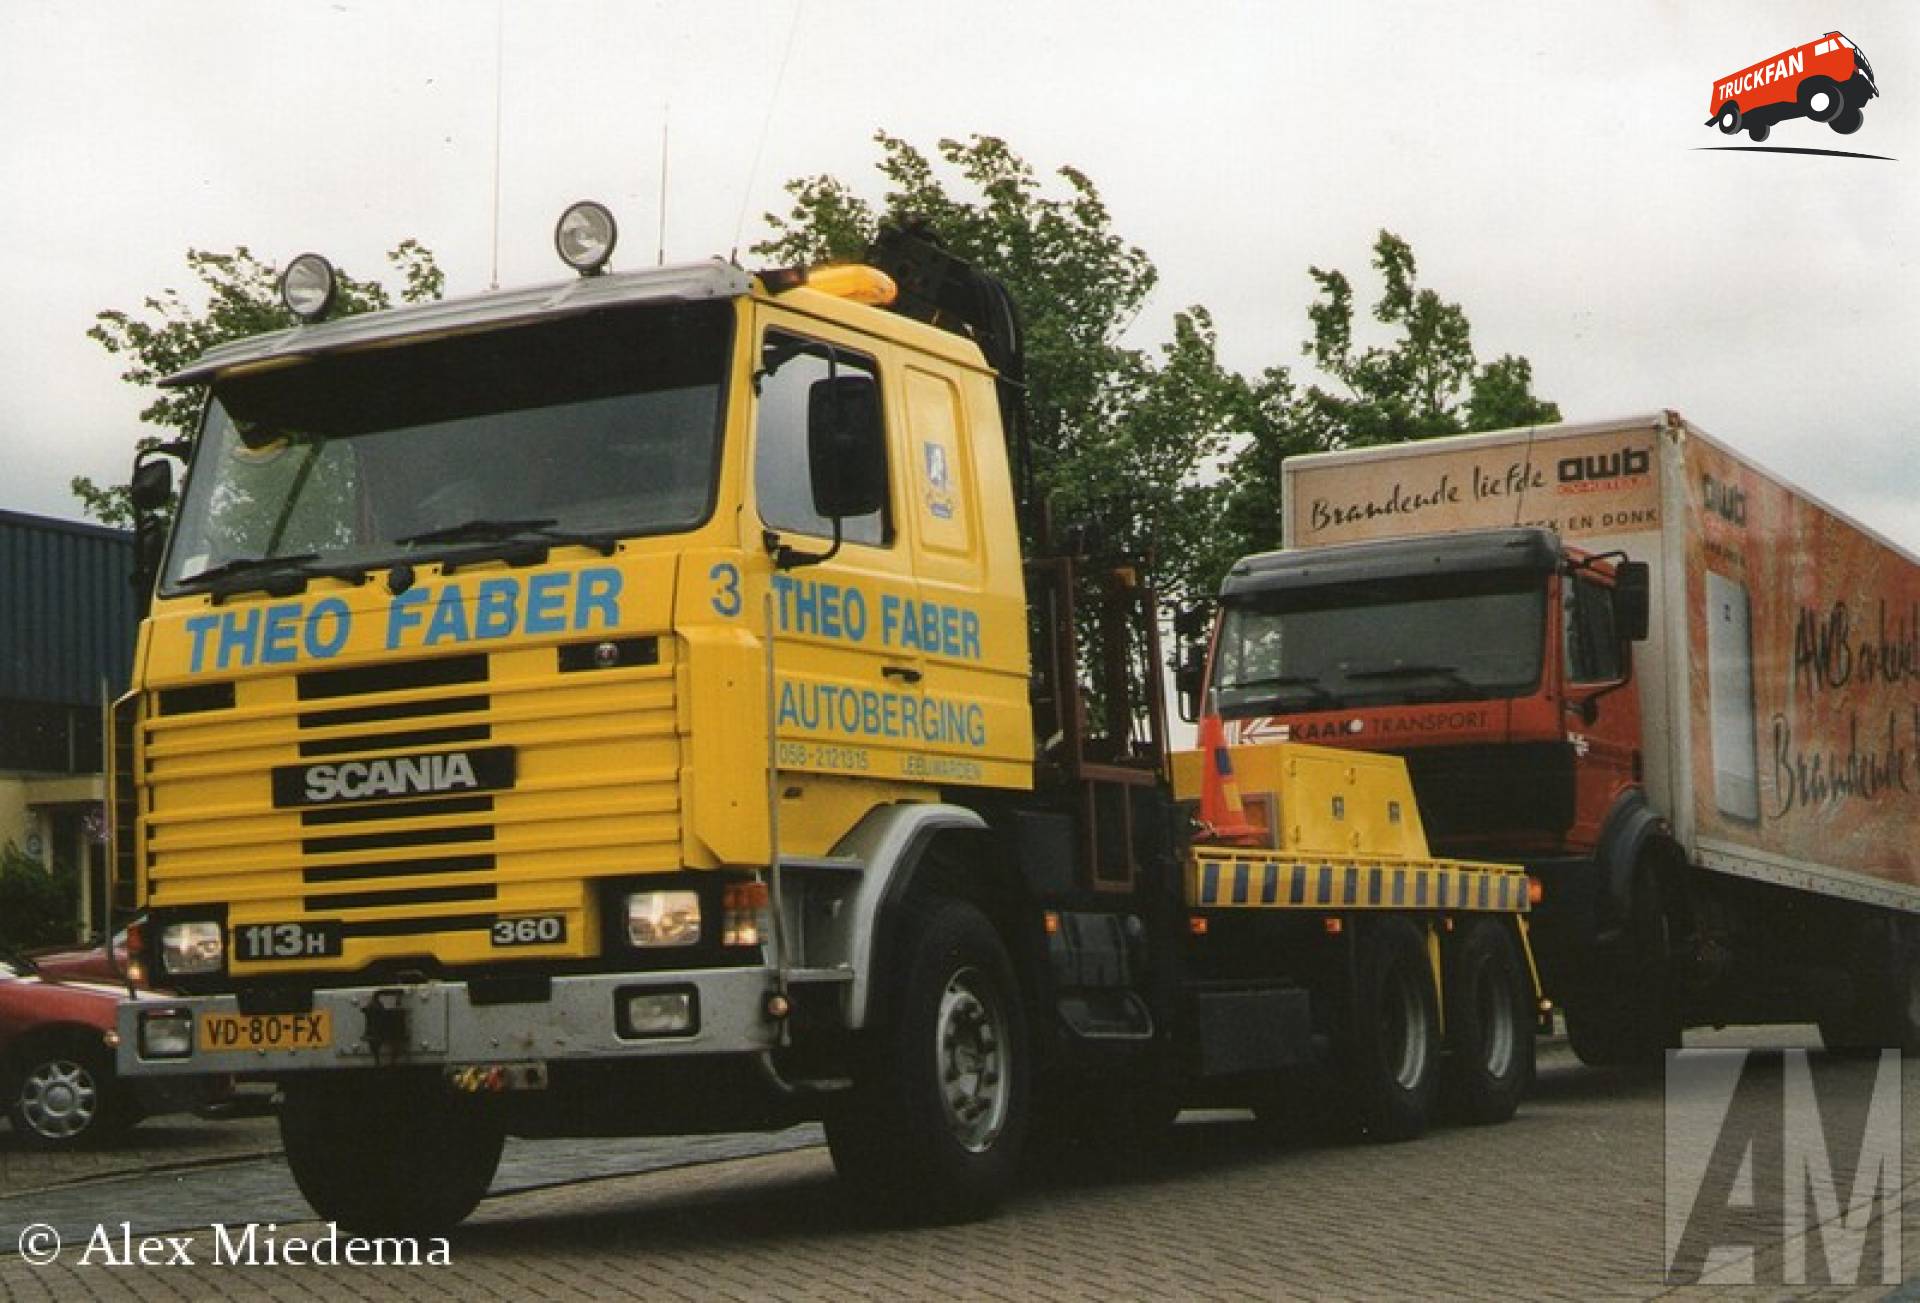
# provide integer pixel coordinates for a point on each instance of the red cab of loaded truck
(1682, 692)
(1828, 80)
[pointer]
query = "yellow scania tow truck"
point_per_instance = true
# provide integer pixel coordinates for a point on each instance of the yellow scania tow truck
(653, 703)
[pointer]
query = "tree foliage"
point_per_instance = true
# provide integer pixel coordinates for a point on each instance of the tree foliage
(236, 295)
(1165, 449)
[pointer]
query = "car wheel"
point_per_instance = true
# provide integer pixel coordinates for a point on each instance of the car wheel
(1728, 119)
(1848, 120)
(1490, 1024)
(1759, 131)
(66, 1095)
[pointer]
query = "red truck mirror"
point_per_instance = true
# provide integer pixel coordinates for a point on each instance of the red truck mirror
(1632, 600)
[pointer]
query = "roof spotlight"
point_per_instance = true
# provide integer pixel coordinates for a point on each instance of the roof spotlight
(307, 287)
(585, 237)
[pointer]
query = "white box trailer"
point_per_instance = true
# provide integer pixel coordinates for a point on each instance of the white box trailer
(1778, 685)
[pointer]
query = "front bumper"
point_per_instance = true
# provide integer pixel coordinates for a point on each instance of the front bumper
(445, 1026)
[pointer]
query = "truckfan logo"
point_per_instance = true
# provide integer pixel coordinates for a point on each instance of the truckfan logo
(1827, 80)
(1778, 1174)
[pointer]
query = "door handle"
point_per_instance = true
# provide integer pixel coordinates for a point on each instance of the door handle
(904, 673)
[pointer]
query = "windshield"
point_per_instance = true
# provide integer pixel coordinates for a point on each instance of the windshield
(605, 424)
(1461, 637)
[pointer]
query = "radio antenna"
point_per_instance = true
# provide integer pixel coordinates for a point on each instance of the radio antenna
(666, 125)
(499, 61)
(773, 101)
(1526, 477)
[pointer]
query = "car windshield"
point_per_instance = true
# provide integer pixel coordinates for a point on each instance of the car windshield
(1460, 637)
(605, 425)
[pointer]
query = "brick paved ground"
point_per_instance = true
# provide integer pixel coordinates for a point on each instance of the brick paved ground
(1563, 1203)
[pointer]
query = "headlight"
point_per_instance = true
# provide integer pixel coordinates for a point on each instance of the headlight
(663, 918)
(585, 237)
(166, 1035)
(189, 948)
(307, 287)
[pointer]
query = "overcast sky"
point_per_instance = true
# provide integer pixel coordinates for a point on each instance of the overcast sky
(1543, 159)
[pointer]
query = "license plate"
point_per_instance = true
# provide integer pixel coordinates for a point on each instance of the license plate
(266, 1031)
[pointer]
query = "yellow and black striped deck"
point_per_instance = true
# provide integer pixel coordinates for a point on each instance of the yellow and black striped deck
(1236, 879)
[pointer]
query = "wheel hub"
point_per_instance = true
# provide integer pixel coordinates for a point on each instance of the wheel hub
(59, 1099)
(971, 1058)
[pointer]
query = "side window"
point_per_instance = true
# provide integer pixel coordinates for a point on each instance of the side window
(1593, 649)
(790, 367)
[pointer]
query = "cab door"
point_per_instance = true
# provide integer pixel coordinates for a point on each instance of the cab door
(846, 702)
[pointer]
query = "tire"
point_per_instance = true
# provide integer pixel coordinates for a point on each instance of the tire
(1885, 1013)
(1489, 1025)
(1388, 1049)
(1817, 87)
(1728, 119)
(388, 1154)
(65, 1095)
(1629, 1020)
(1848, 120)
(940, 1108)
(1759, 131)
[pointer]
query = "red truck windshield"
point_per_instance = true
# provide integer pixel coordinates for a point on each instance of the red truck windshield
(1385, 642)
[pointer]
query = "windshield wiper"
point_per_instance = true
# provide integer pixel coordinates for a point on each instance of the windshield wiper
(279, 576)
(1311, 682)
(483, 530)
(1451, 673)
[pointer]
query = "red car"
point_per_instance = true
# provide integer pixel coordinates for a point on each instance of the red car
(90, 964)
(57, 1082)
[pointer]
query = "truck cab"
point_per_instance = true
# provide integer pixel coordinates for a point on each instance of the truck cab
(1497, 663)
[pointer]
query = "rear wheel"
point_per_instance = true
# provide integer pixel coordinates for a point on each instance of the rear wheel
(1728, 119)
(1489, 1024)
(388, 1154)
(1885, 1011)
(1389, 1048)
(1820, 99)
(938, 1115)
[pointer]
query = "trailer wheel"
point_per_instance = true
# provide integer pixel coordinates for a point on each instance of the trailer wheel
(1885, 1013)
(1847, 120)
(1728, 119)
(1827, 92)
(1489, 1024)
(1389, 1049)
(935, 1123)
(388, 1154)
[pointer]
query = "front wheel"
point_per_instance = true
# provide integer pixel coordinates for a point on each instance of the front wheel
(1490, 1024)
(389, 1154)
(66, 1095)
(1759, 131)
(1389, 1047)
(1847, 120)
(934, 1126)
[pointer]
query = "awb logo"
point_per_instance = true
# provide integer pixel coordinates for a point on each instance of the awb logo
(1778, 1174)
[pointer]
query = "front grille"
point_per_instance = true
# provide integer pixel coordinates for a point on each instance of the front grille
(594, 792)
(1470, 793)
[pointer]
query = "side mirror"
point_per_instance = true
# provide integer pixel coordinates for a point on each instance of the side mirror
(1632, 600)
(846, 446)
(1189, 678)
(152, 485)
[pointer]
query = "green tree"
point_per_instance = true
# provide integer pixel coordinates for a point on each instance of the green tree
(1423, 382)
(1120, 433)
(237, 295)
